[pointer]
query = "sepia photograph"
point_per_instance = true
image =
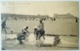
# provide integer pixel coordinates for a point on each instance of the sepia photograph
(40, 25)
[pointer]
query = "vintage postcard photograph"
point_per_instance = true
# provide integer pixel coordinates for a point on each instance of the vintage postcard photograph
(38, 25)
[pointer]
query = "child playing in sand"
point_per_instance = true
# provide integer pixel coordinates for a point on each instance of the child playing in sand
(22, 36)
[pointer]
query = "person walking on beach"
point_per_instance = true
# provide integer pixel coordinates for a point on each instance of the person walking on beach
(4, 26)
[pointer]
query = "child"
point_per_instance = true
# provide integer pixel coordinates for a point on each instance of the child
(39, 33)
(25, 32)
(36, 33)
(41, 25)
(22, 36)
(56, 40)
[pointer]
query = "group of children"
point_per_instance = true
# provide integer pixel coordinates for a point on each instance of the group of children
(38, 32)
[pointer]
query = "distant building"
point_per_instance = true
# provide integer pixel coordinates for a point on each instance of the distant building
(67, 17)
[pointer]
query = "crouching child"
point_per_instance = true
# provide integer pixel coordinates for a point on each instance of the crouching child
(22, 36)
(56, 40)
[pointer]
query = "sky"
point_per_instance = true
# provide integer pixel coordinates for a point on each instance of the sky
(42, 8)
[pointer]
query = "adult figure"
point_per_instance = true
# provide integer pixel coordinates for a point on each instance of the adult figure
(4, 26)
